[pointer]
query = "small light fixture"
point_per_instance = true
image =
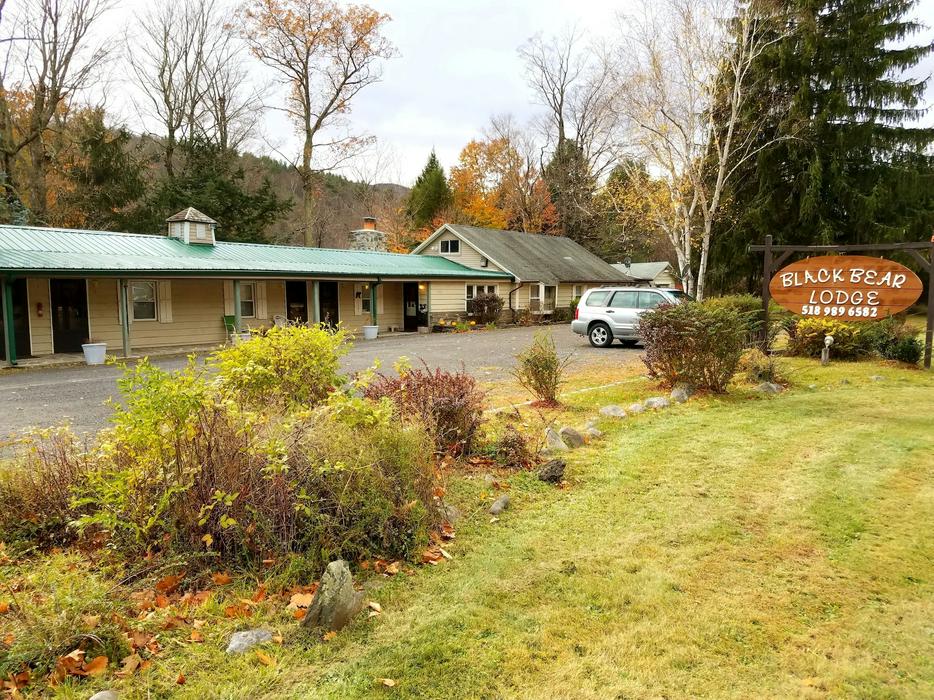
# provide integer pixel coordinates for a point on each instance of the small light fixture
(422, 287)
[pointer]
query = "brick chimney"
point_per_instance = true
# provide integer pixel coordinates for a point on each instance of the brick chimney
(368, 237)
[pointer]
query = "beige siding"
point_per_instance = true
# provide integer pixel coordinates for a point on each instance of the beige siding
(103, 313)
(468, 257)
(664, 279)
(389, 310)
(448, 297)
(40, 327)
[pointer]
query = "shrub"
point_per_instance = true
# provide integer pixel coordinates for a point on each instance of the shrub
(540, 370)
(449, 404)
(513, 449)
(487, 306)
(36, 490)
(291, 365)
(749, 309)
(694, 343)
(908, 350)
(891, 339)
(757, 367)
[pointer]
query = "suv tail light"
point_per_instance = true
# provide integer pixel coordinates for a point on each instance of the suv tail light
(577, 311)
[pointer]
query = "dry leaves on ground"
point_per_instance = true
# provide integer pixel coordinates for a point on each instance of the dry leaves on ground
(74, 664)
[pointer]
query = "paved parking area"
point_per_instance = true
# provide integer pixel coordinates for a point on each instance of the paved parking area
(43, 397)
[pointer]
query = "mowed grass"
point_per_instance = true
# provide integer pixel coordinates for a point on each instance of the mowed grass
(732, 547)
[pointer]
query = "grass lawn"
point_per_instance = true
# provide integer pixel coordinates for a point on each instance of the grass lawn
(732, 547)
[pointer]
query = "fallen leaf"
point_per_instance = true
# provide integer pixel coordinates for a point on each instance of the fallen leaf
(299, 613)
(432, 555)
(181, 679)
(394, 568)
(375, 607)
(264, 658)
(196, 637)
(221, 578)
(328, 636)
(208, 540)
(300, 600)
(96, 666)
(198, 624)
(9, 639)
(91, 621)
(162, 601)
(388, 682)
(129, 665)
(277, 638)
(170, 583)
(4, 607)
(260, 594)
(15, 681)
(138, 638)
(237, 611)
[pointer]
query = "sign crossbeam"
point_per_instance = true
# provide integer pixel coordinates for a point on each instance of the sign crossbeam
(772, 263)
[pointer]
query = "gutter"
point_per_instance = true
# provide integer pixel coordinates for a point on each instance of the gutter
(511, 292)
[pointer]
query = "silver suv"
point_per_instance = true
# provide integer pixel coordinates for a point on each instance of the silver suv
(613, 312)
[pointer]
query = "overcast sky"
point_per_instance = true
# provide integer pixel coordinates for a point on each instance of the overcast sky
(457, 66)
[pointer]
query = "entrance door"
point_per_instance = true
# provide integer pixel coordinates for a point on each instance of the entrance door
(413, 317)
(296, 301)
(69, 314)
(328, 303)
(20, 321)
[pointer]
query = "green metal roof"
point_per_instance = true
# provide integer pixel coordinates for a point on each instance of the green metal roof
(56, 251)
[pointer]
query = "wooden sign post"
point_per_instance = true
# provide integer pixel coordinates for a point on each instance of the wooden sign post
(846, 287)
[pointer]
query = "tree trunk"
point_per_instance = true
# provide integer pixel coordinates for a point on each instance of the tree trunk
(38, 184)
(705, 254)
(308, 192)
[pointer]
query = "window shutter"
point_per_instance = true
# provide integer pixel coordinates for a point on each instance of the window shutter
(228, 298)
(164, 301)
(379, 300)
(261, 300)
(358, 300)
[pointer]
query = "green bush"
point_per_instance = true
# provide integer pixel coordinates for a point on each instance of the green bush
(487, 307)
(291, 365)
(694, 343)
(540, 370)
(757, 367)
(890, 339)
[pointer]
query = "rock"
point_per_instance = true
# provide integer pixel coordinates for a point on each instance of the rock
(553, 440)
(593, 432)
(636, 408)
(335, 602)
(552, 471)
(592, 423)
(502, 503)
(489, 479)
(812, 387)
(613, 411)
(246, 640)
(769, 388)
(680, 394)
(450, 513)
(105, 695)
(844, 381)
(571, 437)
(657, 402)
(877, 378)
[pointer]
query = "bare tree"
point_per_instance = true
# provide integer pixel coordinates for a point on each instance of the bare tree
(325, 54)
(49, 59)
(231, 105)
(687, 83)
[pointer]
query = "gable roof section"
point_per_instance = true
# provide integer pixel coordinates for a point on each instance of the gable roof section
(643, 271)
(191, 214)
(32, 250)
(534, 257)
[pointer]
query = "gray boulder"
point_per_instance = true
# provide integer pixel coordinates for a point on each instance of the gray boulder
(553, 440)
(571, 437)
(657, 402)
(246, 640)
(450, 513)
(636, 408)
(105, 695)
(613, 411)
(680, 393)
(877, 378)
(593, 432)
(552, 471)
(769, 388)
(501, 504)
(335, 602)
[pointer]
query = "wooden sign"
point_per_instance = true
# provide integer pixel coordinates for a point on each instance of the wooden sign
(848, 287)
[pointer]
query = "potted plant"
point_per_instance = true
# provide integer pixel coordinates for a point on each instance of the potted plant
(370, 332)
(95, 353)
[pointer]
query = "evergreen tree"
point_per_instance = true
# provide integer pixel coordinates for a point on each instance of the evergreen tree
(850, 166)
(430, 195)
(572, 189)
(210, 182)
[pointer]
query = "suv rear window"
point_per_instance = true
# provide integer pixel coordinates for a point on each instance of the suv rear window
(596, 299)
(625, 300)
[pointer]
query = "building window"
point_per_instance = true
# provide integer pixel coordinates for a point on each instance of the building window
(144, 300)
(475, 290)
(452, 246)
(247, 300)
(366, 305)
(578, 291)
(484, 262)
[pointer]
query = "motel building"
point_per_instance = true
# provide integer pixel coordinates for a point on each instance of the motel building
(62, 288)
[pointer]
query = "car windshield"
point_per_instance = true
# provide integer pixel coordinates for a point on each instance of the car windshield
(677, 295)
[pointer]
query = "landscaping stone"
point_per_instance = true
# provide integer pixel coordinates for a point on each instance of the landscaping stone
(105, 695)
(636, 408)
(877, 378)
(335, 602)
(680, 394)
(571, 437)
(769, 388)
(812, 386)
(592, 423)
(501, 503)
(553, 440)
(552, 471)
(593, 432)
(246, 640)
(657, 402)
(450, 513)
(613, 411)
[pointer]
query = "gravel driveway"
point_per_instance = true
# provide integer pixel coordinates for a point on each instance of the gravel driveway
(46, 397)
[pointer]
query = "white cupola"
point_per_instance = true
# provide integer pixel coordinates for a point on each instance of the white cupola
(192, 227)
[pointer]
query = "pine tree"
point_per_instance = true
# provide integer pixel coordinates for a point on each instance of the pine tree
(430, 195)
(572, 190)
(850, 166)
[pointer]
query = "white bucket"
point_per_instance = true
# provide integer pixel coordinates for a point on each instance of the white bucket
(95, 353)
(370, 332)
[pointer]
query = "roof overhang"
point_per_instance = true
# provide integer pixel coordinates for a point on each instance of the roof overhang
(447, 227)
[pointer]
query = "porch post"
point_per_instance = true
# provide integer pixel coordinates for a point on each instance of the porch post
(9, 336)
(123, 297)
(374, 320)
(315, 303)
(428, 305)
(238, 319)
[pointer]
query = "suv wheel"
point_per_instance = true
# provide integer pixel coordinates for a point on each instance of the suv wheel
(600, 335)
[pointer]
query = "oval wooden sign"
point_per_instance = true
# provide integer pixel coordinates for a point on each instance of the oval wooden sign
(848, 287)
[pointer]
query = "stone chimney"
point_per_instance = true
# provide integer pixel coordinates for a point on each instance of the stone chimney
(368, 237)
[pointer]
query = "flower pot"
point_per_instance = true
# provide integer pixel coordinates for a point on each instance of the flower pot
(424, 329)
(94, 353)
(370, 332)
